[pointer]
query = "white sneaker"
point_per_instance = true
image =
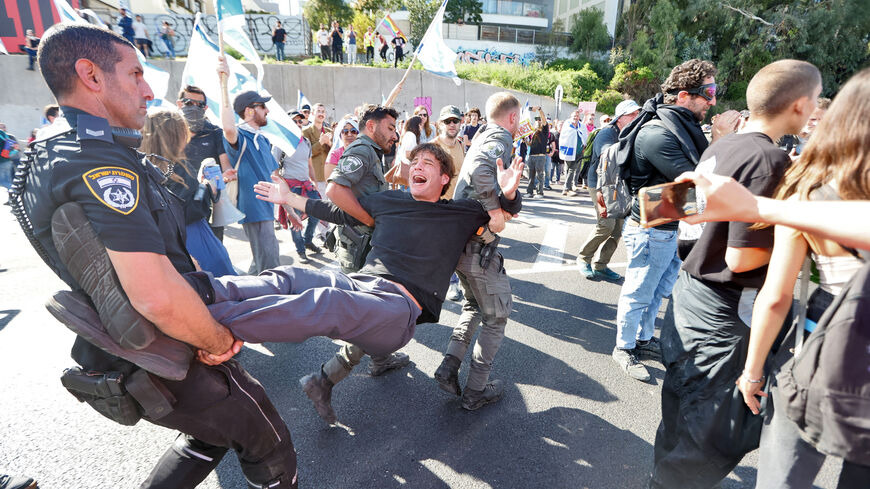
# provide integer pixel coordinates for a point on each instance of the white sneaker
(454, 292)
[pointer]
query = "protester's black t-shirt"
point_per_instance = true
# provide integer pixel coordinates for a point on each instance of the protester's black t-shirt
(337, 39)
(755, 161)
(540, 141)
(280, 35)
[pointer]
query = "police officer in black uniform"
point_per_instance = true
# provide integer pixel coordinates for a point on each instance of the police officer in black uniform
(89, 159)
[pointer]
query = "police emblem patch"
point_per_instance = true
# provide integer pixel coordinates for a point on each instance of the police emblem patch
(115, 187)
(493, 150)
(350, 164)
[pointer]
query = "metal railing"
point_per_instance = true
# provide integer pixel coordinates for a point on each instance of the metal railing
(523, 36)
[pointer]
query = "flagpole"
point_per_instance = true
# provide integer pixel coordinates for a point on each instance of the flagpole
(398, 88)
(225, 97)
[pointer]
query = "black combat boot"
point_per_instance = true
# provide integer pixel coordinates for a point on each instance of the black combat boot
(491, 393)
(447, 375)
(318, 388)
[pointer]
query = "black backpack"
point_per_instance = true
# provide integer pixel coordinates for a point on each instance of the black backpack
(827, 385)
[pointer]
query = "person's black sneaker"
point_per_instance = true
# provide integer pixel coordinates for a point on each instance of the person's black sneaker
(81, 251)
(492, 392)
(313, 248)
(651, 349)
(10, 482)
(302, 257)
(530, 196)
(628, 362)
(447, 375)
(381, 365)
(318, 388)
(540, 194)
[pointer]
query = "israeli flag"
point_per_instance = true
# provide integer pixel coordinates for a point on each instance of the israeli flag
(301, 100)
(231, 17)
(202, 59)
(67, 14)
(434, 54)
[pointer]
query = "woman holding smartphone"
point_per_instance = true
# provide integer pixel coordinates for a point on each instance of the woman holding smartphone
(833, 166)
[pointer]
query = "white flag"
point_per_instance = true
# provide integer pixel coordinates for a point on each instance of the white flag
(231, 17)
(302, 100)
(67, 14)
(434, 54)
(200, 70)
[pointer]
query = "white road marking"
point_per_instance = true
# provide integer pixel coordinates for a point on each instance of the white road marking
(552, 247)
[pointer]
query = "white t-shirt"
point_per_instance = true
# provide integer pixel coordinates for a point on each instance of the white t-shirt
(323, 38)
(139, 30)
(409, 142)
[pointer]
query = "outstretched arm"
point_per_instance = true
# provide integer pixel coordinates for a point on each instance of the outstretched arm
(279, 193)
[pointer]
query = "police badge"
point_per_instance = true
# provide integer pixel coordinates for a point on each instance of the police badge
(115, 187)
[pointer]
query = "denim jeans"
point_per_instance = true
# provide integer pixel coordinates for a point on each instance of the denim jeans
(536, 178)
(170, 48)
(300, 239)
(652, 270)
(279, 51)
(548, 168)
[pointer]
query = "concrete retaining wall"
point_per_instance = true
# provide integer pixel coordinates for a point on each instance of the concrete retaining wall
(23, 93)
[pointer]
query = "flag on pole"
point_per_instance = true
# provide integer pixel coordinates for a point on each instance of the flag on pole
(231, 17)
(390, 25)
(383, 99)
(200, 71)
(93, 18)
(433, 53)
(3, 48)
(67, 14)
(301, 100)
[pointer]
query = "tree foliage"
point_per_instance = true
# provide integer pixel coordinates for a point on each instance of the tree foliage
(590, 33)
(420, 14)
(325, 11)
(463, 12)
(742, 36)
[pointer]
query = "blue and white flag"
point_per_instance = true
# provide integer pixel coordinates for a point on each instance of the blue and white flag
(434, 54)
(93, 18)
(200, 70)
(231, 17)
(67, 14)
(302, 100)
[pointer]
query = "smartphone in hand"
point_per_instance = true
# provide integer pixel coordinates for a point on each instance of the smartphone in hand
(667, 202)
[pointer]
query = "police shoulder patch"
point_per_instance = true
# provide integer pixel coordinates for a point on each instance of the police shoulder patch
(350, 164)
(493, 149)
(117, 188)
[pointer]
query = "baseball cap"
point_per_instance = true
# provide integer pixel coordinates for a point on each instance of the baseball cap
(246, 99)
(625, 107)
(305, 107)
(449, 112)
(295, 113)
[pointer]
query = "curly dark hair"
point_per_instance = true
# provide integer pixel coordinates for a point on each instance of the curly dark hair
(687, 75)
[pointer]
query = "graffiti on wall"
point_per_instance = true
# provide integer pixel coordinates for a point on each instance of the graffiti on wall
(16, 16)
(259, 30)
(492, 56)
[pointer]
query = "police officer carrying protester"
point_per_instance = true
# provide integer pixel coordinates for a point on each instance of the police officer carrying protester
(359, 173)
(86, 183)
(481, 267)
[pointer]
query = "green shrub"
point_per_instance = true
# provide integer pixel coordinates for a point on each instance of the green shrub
(578, 84)
(607, 100)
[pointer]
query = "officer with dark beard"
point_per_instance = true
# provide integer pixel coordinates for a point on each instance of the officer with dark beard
(206, 139)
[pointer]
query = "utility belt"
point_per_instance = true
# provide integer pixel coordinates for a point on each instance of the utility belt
(484, 243)
(123, 399)
(351, 245)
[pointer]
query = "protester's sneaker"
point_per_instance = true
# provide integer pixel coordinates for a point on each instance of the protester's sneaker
(454, 292)
(565, 192)
(492, 392)
(313, 248)
(447, 375)
(607, 274)
(318, 388)
(393, 361)
(628, 362)
(573, 193)
(81, 251)
(586, 270)
(530, 196)
(10, 482)
(301, 257)
(651, 349)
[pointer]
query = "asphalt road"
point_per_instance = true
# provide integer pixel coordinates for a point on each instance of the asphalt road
(570, 418)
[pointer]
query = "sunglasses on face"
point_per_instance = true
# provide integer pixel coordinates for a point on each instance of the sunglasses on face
(350, 131)
(452, 121)
(423, 114)
(257, 105)
(707, 91)
(299, 121)
(189, 101)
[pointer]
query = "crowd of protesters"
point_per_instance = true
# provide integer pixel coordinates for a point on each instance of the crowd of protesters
(722, 276)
